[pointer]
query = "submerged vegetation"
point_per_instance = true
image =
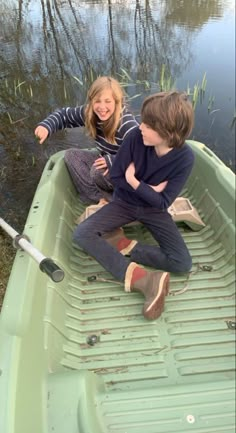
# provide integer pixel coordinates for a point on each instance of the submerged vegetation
(233, 121)
(21, 95)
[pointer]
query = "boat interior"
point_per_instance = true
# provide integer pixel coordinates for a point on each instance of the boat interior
(97, 364)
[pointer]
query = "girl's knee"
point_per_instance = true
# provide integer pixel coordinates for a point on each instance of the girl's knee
(96, 175)
(73, 157)
(69, 156)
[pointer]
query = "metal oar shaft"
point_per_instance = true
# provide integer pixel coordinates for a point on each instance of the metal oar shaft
(22, 242)
(45, 264)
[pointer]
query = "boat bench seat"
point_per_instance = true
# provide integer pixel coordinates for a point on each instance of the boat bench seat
(79, 403)
(181, 210)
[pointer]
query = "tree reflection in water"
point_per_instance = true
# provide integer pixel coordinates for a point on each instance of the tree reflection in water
(58, 39)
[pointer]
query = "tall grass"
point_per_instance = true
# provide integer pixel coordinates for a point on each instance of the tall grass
(165, 83)
(18, 93)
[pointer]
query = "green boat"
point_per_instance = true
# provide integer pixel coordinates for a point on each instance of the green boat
(77, 356)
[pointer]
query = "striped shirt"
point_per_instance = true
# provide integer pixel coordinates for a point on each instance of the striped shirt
(75, 117)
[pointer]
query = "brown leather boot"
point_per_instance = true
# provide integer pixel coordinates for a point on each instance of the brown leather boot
(118, 240)
(153, 285)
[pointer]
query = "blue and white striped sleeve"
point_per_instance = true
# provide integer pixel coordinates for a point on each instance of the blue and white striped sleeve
(128, 123)
(67, 117)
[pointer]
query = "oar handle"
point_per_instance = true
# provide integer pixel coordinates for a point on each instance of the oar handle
(51, 269)
(45, 264)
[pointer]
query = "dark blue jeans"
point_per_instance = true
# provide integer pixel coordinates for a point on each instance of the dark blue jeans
(170, 255)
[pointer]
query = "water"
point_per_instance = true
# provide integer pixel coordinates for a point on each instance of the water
(50, 52)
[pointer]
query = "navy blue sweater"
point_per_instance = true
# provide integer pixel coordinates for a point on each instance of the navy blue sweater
(150, 169)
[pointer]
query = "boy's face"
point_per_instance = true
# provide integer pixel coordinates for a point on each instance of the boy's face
(104, 104)
(150, 137)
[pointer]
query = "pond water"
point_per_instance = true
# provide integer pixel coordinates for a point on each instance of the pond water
(51, 51)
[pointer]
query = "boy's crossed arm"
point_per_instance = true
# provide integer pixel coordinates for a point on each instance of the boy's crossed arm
(134, 182)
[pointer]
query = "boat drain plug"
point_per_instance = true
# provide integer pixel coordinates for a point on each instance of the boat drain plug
(92, 339)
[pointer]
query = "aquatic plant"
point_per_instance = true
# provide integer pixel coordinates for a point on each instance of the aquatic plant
(233, 120)
(166, 82)
(195, 95)
(210, 103)
(78, 80)
(9, 116)
(204, 83)
(18, 94)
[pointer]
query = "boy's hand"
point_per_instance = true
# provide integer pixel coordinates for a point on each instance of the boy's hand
(100, 164)
(130, 176)
(41, 133)
(130, 172)
(160, 187)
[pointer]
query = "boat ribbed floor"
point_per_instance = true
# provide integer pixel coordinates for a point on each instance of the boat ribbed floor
(196, 317)
(180, 409)
(189, 345)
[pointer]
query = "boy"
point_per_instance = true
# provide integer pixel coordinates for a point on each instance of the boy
(149, 172)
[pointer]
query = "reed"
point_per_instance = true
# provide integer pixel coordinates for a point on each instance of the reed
(78, 80)
(196, 90)
(18, 89)
(9, 116)
(232, 125)
(65, 91)
(126, 75)
(17, 92)
(165, 82)
(204, 83)
(211, 101)
(30, 90)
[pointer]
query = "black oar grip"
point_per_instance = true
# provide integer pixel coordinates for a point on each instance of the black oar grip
(52, 270)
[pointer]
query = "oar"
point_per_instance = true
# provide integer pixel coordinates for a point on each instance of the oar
(46, 264)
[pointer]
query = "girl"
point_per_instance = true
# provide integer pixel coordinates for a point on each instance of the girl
(108, 122)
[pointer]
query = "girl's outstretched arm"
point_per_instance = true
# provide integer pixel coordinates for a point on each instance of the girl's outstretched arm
(69, 117)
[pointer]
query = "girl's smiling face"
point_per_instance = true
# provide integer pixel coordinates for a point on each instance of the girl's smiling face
(104, 105)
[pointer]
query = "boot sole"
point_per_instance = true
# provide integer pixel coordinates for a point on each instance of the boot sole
(114, 237)
(129, 248)
(156, 308)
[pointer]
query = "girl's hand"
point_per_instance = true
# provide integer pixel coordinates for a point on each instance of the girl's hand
(41, 133)
(100, 164)
(160, 187)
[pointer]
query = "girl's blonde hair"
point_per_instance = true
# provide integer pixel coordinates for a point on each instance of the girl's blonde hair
(170, 114)
(109, 126)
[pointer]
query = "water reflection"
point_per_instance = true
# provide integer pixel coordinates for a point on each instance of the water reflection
(193, 14)
(51, 50)
(45, 37)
